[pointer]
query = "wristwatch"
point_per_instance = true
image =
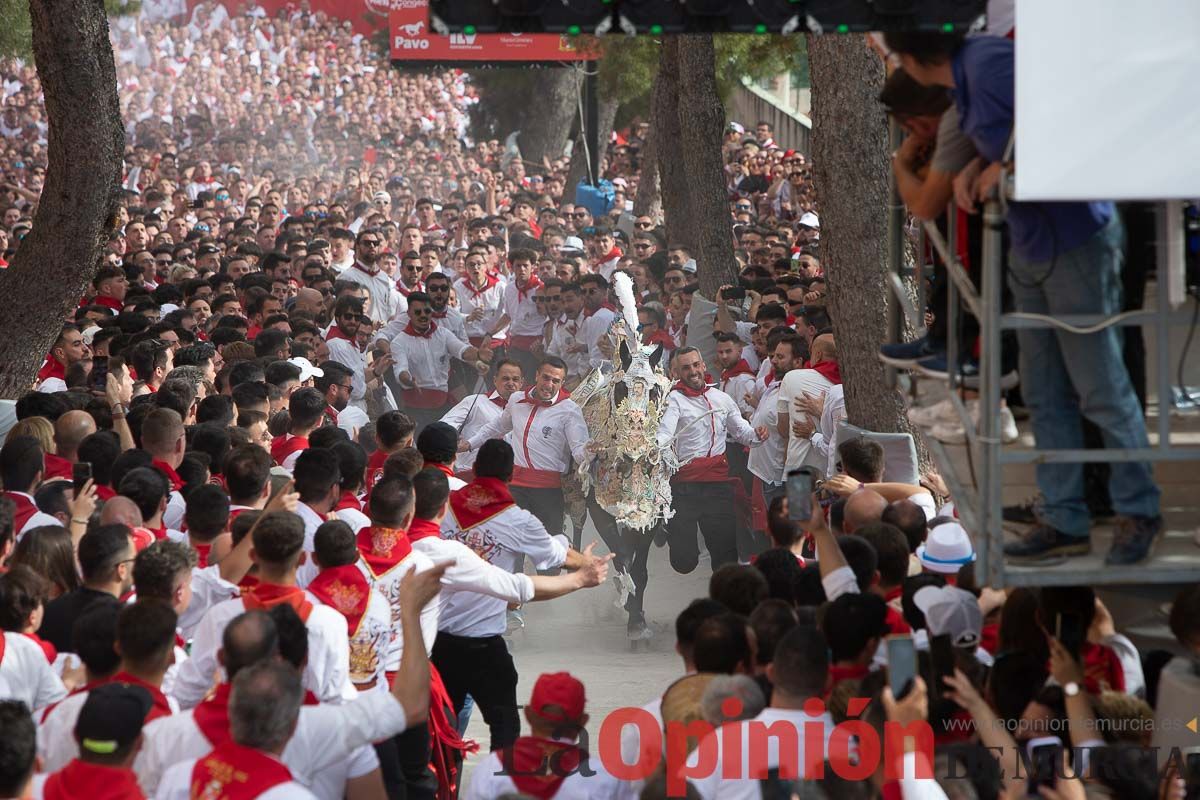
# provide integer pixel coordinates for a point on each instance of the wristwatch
(1071, 689)
(120, 409)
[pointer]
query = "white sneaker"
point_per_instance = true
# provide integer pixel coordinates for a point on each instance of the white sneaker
(954, 433)
(942, 412)
(1008, 426)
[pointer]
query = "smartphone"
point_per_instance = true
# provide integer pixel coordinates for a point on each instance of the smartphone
(941, 653)
(81, 473)
(800, 485)
(99, 373)
(902, 663)
(1068, 629)
(1045, 755)
(734, 293)
(1191, 776)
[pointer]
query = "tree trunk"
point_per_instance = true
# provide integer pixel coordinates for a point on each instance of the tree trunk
(545, 131)
(664, 121)
(850, 163)
(648, 201)
(78, 204)
(606, 112)
(702, 121)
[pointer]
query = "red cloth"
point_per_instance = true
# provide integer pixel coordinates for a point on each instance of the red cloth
(423, 529)
(530, 758)
(283, 446)
(212, 715)
(56, 467)
(479, 501)
(25, 508)
(490, 281)
(711, 469)
(563, 394)
(234, 772)
(48, 649)
(104, 492)
(337, 333)
(427, 333)
(830, 371)
(688, 391)
(448, 749)
(442, 468)
(533, 284)
(348, 500)
(345, 589)
(659, 337)
(375, 468)
(742, 367)
(265, 596)
(93, 781)
(202, 553)
(1102, 669)
(108, 302)
(989, 639)
(382, 549)
(52, 369)
(425, 398)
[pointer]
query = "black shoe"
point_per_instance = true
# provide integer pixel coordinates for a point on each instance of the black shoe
(660, 536)
(1043, 543)
(1024, 513)
(1133, 539)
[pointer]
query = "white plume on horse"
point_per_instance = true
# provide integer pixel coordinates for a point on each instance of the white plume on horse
(623, 289)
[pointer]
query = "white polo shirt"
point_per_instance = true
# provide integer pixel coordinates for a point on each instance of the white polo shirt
(386, 302)
(470, 415)
(491, 300)
(766, 462)
(26, 675)
(427, 358)
(698, 426)
(567, 334)
(545, 437)
(523, 316)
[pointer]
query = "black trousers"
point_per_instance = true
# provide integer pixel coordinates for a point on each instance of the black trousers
(404, 763)
(545, 504)
(424, 416)
(631, 548)
(708, 505)
(483, 668)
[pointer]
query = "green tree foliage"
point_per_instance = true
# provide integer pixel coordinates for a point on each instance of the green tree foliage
(16, 34)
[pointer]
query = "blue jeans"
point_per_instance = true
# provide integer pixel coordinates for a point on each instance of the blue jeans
(1063, 374)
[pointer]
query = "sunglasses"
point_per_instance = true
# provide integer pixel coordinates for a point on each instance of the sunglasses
(645, 226)
(369, 243)
(420, 312)
(580, 214)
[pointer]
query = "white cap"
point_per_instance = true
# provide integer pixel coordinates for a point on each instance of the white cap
(809, 219)
(946, 549)
(572, 243)
(736, 127)
(382, 197)
(951, 611)
(167, 308)
(307, 370)
(689, 266)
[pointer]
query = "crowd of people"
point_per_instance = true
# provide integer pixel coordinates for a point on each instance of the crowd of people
(305, 592)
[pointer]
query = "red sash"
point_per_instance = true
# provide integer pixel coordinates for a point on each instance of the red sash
(56, 467)
(212, 715)
(283, 446)
(479, 501)
(52, 369)
(169, 471)
(346, 590)
(710, 469)
(93, 781)
(265, 596)
(234, 772)
(444, 739)
(425, 398)
(525, 343)
(161, 707)
(348, 500)
(25, 509)
(539, 766)
(536, 478)
(424, 529)
(382, 549)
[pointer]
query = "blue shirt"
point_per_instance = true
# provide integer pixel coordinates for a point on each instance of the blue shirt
(984, 94)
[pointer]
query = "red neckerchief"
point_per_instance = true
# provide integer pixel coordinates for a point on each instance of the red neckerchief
(614, 253)
(108, 302)
(283, 446)
(348, 500)
(50, 651)
(479, 501)
(588, 314)
(838, 674)
(169, 471)
(411, 331)
(56, 467)
(442, 468)
(405, 291)
(160, 532)
(498, 401)
(688, 391)
(382, 549)
(265, 596)
(161, 707)
(563, 394)
(202, 553)
(25, 509)
(375, 467)
(332, 413)
(345, 589)
(234, 772)
(337, 333)
(539, 766)
(830, 370)
(742, 367)
(52, 369)
(1102, 669)
(489, 282)
(361, 267)
(252, 331)
(770, 378)
(659, 337)
(212, 715)
(424, 529)
(531, 285)
(94, 781)
(105, 492)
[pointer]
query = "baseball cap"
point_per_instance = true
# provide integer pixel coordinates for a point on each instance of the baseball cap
(207, 250)
(382, 197)
(689, 266)
(951, 611)
(736, 127)
(112, 717)
(809, 219)
(558, 697)
(307, 370)
(572, 244)
(946, 549)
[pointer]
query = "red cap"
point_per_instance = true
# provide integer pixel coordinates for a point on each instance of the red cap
(789, 153)
(558, 697)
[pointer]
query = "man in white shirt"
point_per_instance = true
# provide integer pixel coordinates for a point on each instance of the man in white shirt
(22, 464)
(695, 423)
(478, 410)
(568, 342)
(470, 651)
(819, 376)
(521, 315)
(342, 341)
(386, 302)
(67, 349)
(598, 316)
(548, 431)
(797, 673)
(422, 353)
(480, 298)
(26, 675)
(278, 539)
